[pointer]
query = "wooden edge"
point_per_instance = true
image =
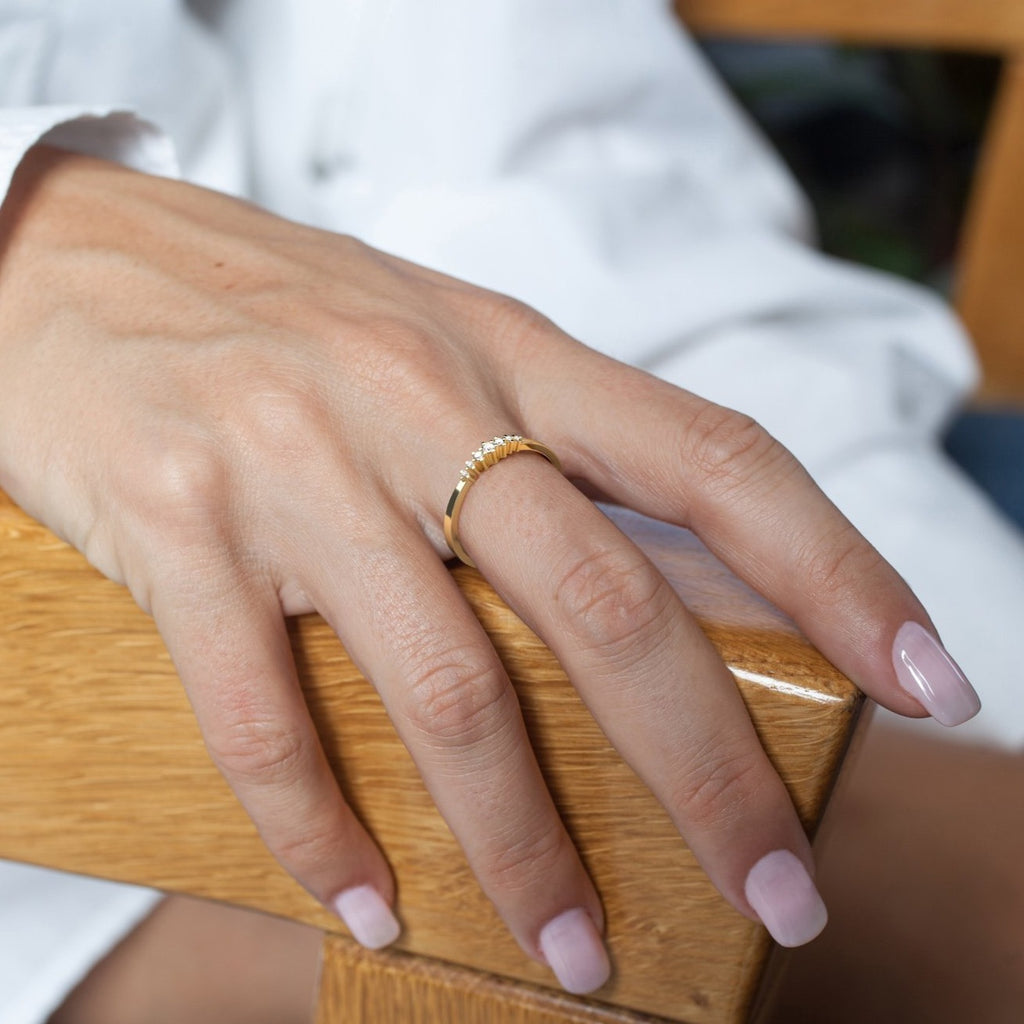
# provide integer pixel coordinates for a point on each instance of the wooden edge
(988, 293)
(358, 986)
(987, 25)
(763, 1005)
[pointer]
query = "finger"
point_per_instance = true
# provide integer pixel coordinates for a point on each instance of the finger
(455, 709)
(228, 640)
(652, 680)
(676, 457)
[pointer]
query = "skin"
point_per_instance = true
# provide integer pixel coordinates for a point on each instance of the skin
(258, 419)
(920, 866)
(204, 963)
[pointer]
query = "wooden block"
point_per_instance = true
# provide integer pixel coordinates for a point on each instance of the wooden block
(360, 987)
(104, 772)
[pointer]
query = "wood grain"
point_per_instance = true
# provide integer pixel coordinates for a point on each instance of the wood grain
(103, 772)
(996, 25)
(359, 987)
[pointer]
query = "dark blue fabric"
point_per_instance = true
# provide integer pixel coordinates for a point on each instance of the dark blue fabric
(989, 445)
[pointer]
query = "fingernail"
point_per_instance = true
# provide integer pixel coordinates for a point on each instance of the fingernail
(785, 898)
(367, 916)
(930, 675)
(573, 949)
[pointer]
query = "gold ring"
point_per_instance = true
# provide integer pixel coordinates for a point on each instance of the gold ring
(490, 453)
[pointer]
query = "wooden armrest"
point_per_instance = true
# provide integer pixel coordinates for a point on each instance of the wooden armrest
(995, 25)
(104, 772)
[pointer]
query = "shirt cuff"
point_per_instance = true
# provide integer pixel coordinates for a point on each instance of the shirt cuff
(116, 135)
(56, 928)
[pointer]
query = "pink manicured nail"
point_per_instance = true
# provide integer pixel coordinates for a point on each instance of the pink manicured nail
(574, 951)
(781, 891)
(367, 916)
(930, 675)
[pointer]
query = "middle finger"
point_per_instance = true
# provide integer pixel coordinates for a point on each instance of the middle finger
(452, 704)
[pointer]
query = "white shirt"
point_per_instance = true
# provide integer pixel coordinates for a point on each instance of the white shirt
(579, 155)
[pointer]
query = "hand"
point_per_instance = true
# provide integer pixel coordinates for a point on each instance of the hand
(243, 419)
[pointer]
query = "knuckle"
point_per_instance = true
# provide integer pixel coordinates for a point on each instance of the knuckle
(282, 421)
(456, 701)
(727, 448)
(517, 865)
(522, 330)
(308, 847)
(400, 352)
(512, 317)
(842, 565)
(259, 752)
(185, 484)
(615, 600)
(404, 365)
(717, 786)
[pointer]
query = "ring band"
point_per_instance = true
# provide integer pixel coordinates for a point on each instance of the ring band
(490, 453)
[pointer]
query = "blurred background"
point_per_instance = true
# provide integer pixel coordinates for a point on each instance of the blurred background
(885, 143)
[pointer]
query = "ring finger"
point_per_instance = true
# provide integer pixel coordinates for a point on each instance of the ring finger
(653, 681)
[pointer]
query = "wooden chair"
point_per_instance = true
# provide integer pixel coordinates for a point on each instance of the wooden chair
(991, 264)
(103, 766)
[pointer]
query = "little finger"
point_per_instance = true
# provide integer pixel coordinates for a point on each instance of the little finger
(227, 636)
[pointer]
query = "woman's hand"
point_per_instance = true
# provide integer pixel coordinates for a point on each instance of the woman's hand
(243, 419)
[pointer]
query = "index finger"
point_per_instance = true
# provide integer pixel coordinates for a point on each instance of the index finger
(674, 456)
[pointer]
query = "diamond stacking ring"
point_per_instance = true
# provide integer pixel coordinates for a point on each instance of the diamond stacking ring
(490, 453)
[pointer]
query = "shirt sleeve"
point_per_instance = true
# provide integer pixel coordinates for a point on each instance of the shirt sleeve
(56, 927)
(117, 135)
